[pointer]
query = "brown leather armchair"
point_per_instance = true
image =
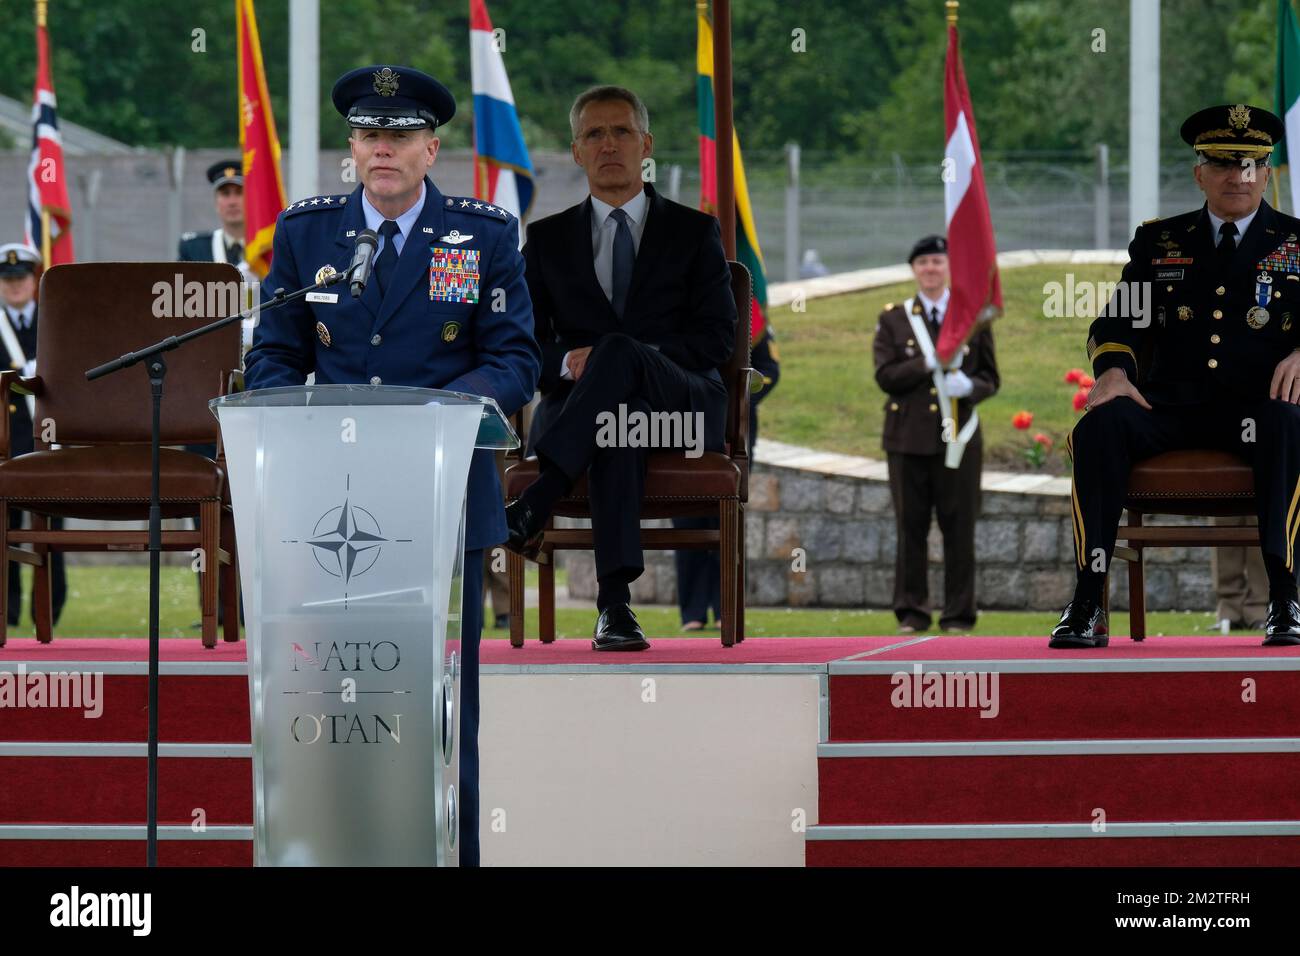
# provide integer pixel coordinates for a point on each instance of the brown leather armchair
(89, 314)
(716, 483)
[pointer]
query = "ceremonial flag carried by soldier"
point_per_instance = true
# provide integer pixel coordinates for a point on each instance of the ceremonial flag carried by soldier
(748, 252)
(1287, 96)
(972, 252)
(49, 214)
(263, 188)
(503, 173)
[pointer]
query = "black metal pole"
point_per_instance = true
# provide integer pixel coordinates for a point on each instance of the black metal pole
(157, 372)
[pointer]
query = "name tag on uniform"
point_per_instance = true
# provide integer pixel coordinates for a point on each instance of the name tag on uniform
(322, 297)
(453, 274)
(1164, 275)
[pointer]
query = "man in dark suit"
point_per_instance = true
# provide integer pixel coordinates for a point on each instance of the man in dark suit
(1212, 298)
(18, 290)
(634, 315)
(420, 322)
(918, 449)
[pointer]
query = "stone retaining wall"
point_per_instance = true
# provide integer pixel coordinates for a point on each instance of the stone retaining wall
(837, 509)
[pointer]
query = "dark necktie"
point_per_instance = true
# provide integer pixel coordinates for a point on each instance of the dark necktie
(235, 253)
(386, 264)
(624, 260)
(1227, 245)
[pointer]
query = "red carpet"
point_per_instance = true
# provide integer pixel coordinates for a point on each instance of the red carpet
(1198, 737)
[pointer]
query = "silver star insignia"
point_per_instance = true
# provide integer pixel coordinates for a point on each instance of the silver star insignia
(464, 203)
(315, 201)
(491, 208)
(327, 200)
(478, 205)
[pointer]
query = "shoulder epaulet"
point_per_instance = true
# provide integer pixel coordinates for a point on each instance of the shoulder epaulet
(888, 306)
(470, 204)
(1147, 222)
(187, 236)
(316, 202)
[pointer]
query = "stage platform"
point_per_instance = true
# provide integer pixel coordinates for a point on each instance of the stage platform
(885, 751)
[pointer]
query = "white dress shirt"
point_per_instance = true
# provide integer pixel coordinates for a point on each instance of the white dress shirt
(602, 246)
(930, 306)
(405, 222)
(1242, 225)
(21, 318)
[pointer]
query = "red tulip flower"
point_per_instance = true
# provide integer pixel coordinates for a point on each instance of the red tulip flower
(1022, 420)
(1086, 381)
(1080, 399)
(1073, 376)
(1044, 440)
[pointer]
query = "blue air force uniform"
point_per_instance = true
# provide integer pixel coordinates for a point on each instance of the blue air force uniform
(451, 311)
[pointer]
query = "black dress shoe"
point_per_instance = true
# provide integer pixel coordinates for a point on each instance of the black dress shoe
(1283, 625)
(617, 630)
(524, 529)
(1082, 624)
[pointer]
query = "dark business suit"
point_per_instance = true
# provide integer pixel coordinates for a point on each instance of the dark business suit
(663, 355)
(22, 441)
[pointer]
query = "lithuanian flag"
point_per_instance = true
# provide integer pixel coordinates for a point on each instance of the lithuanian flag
(747, 251)
(263, 187)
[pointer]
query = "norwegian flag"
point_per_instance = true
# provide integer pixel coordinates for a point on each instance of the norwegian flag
(49, 214)
(972, 252)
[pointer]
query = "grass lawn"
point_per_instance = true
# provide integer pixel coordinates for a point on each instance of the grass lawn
(113, 602)
(828, 398)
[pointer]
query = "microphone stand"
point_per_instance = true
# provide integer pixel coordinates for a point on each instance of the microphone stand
(157, 371)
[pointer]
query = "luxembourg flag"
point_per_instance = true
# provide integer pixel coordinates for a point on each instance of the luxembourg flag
(503, 173)
(972, 252)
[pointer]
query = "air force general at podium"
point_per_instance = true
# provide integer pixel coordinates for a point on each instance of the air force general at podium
(446, 307)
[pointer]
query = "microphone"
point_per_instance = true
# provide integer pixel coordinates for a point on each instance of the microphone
(363, 257)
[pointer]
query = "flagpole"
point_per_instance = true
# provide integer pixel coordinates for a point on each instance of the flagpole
(723, 124)
(45, 238)
(41, 12)
(952, 6)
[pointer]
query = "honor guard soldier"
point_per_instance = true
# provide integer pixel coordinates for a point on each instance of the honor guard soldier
(18, 264)
(446, 307)
(917, 450)
(227, 243)
(1198, 348)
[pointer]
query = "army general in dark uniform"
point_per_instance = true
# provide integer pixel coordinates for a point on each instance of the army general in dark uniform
(1221, 327)
(409, 327)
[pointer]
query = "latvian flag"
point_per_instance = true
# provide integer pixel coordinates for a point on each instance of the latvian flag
(503, 173)
(49, 214)
(972, 252)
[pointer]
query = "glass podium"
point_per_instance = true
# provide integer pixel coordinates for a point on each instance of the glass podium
(349, 506)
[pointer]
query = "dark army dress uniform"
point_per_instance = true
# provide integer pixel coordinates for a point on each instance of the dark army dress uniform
(1218, 322)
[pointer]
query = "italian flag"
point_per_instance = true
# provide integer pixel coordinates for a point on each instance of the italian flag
(748, 252)
(972, 251)
(1287, 95)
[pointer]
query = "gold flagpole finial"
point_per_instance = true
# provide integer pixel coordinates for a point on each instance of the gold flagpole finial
(702, 7)
(40, 12)
(952, 6)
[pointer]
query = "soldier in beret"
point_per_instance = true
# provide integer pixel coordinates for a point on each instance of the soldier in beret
(1213, 298)
(18, 280)
(420, 321)
(919, 396)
